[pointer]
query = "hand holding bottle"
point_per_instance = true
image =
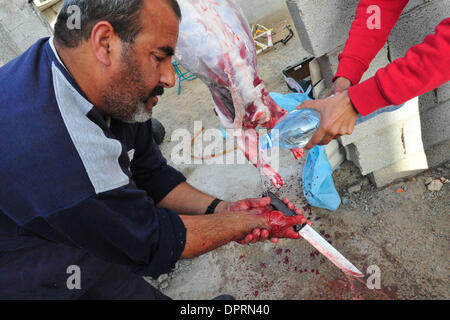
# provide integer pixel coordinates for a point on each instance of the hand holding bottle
(337, 117)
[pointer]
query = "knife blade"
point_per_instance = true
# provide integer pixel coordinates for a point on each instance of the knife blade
(325, 248)
(316, 240)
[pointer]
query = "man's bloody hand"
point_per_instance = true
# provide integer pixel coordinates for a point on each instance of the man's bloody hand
(281, 226)
(249, 204)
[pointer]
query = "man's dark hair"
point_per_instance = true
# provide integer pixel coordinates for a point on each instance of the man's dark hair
(122, 14)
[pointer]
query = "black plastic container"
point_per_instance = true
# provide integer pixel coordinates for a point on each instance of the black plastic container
(298, 77)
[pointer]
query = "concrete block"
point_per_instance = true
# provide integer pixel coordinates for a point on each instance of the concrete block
(381, 60)
(405, 148)
(412, 4)
(412, 165)
(322, 25)
(427, 101)
(378, 150)
(435, 125)
(412, 136)
(335, 153)
(443, 92)
(406, 167)
(398, 144)
(365, 129)
(414, 160)
(326, 70)
(299, 25)
(387, 139)
(415, 25)
(44, 4)
(438, 154)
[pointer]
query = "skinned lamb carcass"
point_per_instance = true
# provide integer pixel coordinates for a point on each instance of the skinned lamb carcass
(215, 42)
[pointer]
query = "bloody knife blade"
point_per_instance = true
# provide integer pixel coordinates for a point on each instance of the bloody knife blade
(316, 240)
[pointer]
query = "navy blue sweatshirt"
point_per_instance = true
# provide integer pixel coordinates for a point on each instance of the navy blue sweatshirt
(73, 190)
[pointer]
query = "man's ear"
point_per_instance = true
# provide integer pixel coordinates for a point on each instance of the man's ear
(103, 42)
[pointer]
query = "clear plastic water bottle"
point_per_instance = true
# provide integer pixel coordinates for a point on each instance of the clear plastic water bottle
(294, 130)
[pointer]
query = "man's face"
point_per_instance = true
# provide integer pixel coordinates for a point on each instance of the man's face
(145, 66)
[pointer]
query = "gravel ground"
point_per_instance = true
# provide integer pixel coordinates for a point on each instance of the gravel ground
(403, 228)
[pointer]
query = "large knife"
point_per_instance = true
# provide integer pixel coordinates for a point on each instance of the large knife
(316, 240)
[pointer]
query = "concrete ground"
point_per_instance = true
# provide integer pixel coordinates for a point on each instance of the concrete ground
(402, 228)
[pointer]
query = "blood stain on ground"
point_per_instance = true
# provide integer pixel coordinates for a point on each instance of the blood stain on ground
(351, 288)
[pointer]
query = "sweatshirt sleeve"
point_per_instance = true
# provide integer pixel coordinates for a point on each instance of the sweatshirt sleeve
(150, 169)
(121, 226)
(363, 43)
(425, 67)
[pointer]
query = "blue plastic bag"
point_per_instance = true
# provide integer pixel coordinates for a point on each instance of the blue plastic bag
(317, 180)
(290, 101)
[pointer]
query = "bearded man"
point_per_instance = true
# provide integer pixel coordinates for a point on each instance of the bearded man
(88, 205)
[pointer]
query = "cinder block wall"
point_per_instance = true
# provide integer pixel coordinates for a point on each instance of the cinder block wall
(401, 143)
(21, 24)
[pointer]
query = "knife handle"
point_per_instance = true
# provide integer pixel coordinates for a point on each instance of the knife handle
(279, 205)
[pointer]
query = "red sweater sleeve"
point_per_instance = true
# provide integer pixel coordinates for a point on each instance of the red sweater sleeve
(363, 43)
(425, 67)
